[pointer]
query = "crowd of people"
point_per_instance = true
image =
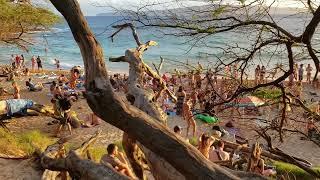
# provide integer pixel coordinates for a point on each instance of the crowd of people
(195, 92)
(19, 62)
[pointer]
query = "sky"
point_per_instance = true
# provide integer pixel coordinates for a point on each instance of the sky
(93, 7)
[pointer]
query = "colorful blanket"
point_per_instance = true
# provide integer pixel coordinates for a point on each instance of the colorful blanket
(18, 106)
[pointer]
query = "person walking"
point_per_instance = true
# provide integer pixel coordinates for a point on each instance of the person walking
(57, 63)
(33, 63)
(39, 63)
(309, 70)
(22, 61)
(300, 73)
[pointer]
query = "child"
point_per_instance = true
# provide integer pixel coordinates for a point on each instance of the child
(16, 89)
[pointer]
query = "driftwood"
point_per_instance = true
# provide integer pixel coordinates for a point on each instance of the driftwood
(48, 111)
(116, 111)
(144, 100)
(247, 150)
(77, 167)
(17, 156)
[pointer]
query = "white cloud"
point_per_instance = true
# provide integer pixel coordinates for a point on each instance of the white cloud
(92, 7)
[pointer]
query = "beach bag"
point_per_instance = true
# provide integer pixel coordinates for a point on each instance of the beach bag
(207, 119)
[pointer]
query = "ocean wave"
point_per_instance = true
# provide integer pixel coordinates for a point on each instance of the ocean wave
(59, 30)
(63, 65)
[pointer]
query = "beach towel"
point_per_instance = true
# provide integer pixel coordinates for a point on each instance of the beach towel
(18, 106)
(207, 119)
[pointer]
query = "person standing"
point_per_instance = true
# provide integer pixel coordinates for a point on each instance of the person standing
(262, 74)
(291, 79)
(18, 59)
(33, 63)
(309, 70)
(257, 75)
(188, 117)
(181, 95)
(198, 79)
(57, 62)
(13, 61)
(295, 71)
(300, 73)
(22, 61)
(39, 63)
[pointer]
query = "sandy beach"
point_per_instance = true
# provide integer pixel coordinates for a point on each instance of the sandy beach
(22, 169)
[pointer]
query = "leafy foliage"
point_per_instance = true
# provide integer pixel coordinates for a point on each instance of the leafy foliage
(23, 17)
(23, 143)
(97, 152)
(268, 93)
(291, 171)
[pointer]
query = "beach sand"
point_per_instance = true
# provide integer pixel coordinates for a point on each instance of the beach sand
(21, 169)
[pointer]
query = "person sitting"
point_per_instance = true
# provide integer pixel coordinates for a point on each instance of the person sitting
(26, 72)
(92, 120)
(33, 87)
(257, 165)
(53, 87)
(73, 79)
(16, 89)
(205, 145)
(219, 154)
(64, 108)
(117, 160)
(62, 79)
(312, 129)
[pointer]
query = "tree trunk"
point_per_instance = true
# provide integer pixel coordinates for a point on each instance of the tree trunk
(160, 168)
(116, 111)
(132, 151)
(77, 167)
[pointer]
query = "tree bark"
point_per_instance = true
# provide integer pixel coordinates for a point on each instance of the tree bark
(160, 168)
(77, 167)
(116, 111)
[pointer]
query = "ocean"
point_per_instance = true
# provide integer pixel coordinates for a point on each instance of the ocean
(59, 43)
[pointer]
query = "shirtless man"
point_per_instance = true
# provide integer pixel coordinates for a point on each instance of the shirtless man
(116, 160)
(188, 116)
(219, 154)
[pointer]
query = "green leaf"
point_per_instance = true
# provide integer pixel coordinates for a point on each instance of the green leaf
(242, 1)
(14, 17)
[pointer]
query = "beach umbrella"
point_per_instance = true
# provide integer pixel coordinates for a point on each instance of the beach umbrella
(248, 101)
